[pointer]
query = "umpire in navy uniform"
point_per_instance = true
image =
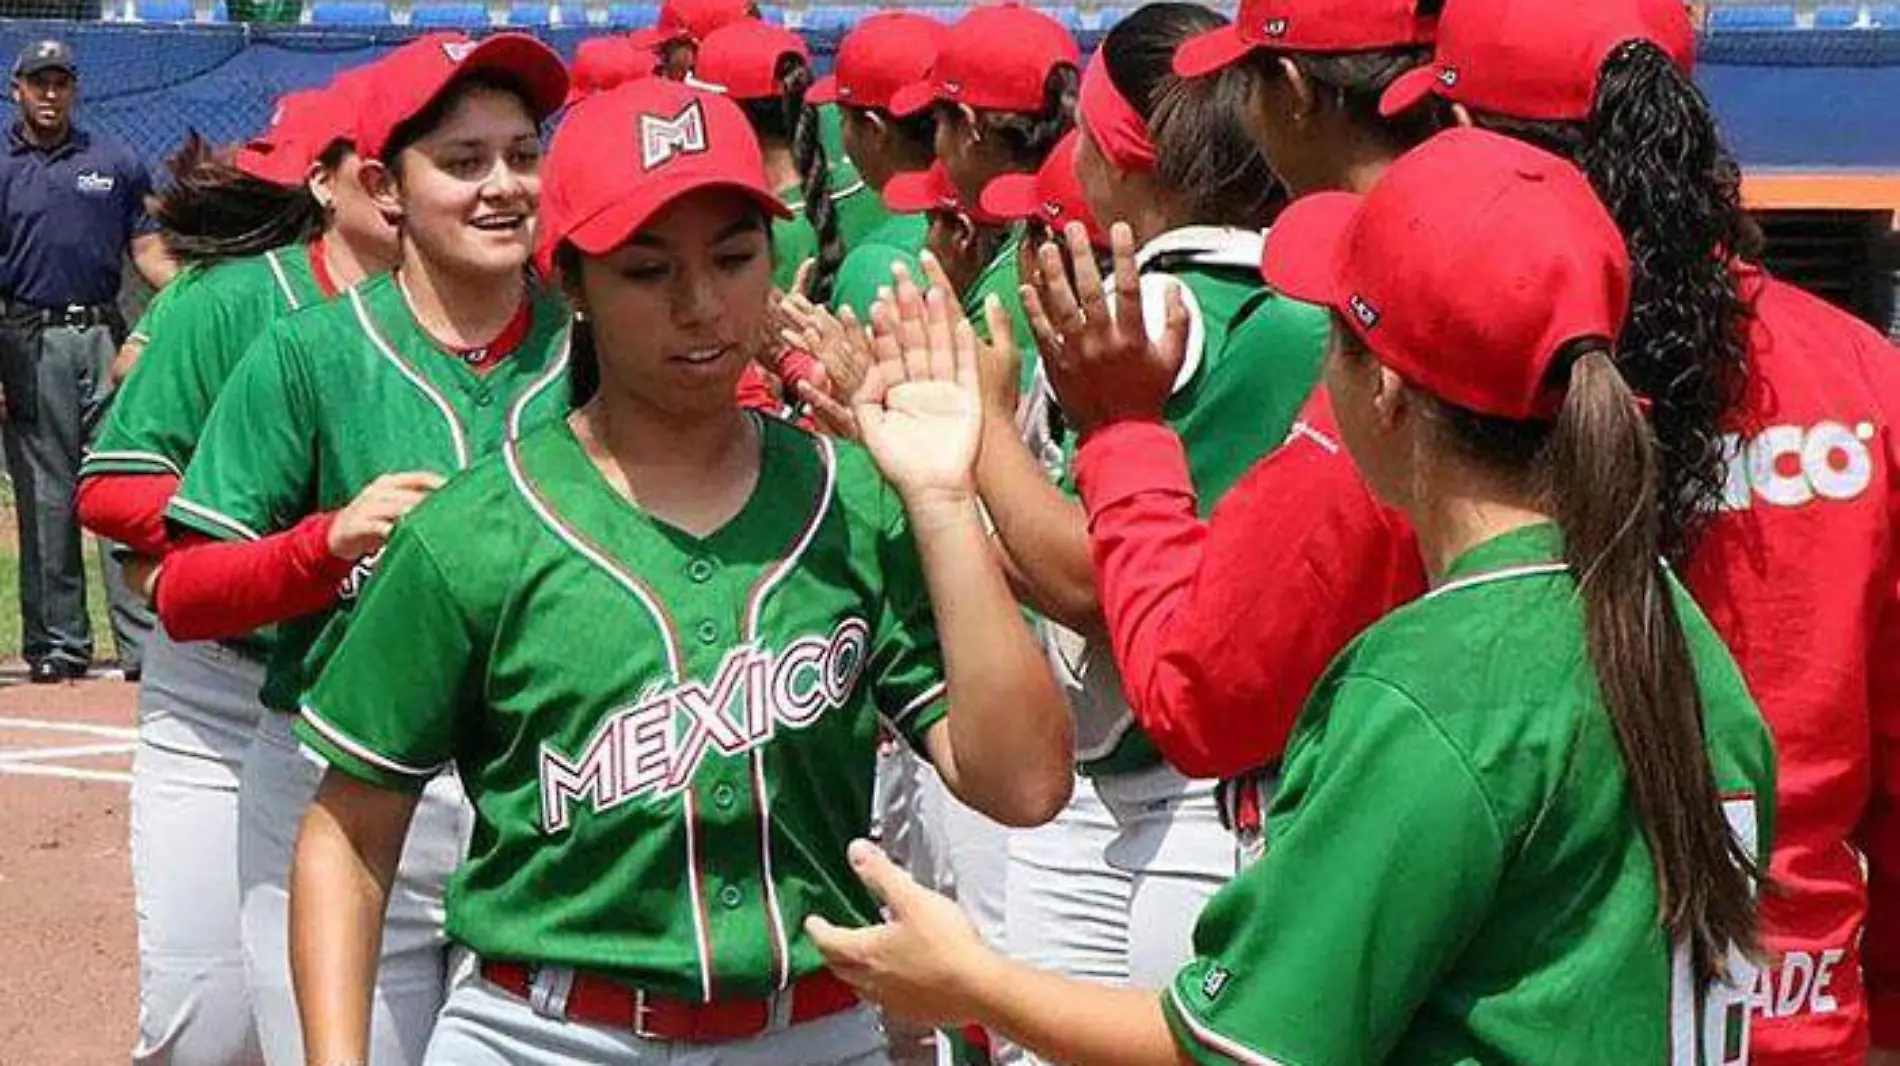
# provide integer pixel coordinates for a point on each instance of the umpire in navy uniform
(72, 204)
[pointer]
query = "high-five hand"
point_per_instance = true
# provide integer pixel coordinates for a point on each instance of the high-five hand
(919, 412)
(1103, 366)
(998, 363)
(922, 963)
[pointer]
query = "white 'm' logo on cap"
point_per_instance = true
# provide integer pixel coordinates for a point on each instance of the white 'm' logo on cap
(457, 50)
(48, 48)
(1276, 27)
(1448, 77)
(661, 139)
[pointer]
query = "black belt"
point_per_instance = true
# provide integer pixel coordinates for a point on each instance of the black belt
(72, 316)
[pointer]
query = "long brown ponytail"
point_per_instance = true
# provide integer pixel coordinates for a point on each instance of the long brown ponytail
(1605, 474)
(1599, 470)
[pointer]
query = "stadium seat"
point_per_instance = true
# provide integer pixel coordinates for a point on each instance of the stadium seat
(1837, 17)
(1886, 16)
(634, 16)
(452, 15)
(163, 11)
(1068, 14)
(348, 13)
(1775, 17)
(220, 12)
(829, 18)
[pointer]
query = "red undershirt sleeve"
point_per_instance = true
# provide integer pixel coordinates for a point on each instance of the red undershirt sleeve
(1221, 630)
(221, 590)
(129, 509)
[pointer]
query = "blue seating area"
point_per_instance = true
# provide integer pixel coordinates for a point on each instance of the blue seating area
(438, 15)
(823, 17)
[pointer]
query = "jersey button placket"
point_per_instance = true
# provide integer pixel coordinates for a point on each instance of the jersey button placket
(708, 632)
(700, 571)
(731, 897)
(723, 796)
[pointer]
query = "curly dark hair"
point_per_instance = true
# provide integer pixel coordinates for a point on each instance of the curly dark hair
(212, 211)
(1651, 150)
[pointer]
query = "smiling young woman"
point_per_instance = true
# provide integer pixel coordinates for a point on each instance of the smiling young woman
(662, 666)
(338, 423)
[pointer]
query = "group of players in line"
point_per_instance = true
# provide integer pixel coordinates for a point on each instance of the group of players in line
(1460, 626)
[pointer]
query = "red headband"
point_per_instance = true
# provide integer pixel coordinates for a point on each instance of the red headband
(1117, 129)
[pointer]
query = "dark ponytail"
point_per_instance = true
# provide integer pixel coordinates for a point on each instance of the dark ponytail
(212, 211)
(1598, 470)
(1029, 138)
(1605, 475)
(1354, 82)
(786, 120)
(1651, 150)
(1211, 170)
(583, 358)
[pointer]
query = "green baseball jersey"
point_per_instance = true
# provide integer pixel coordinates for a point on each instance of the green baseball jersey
(793, 240)
(861, 211)
(156, 308)
(1003, 278)
(668, 739)
(335, 396)
(1253, 357)
(867, 266)
(1454, 871)
(196, 339)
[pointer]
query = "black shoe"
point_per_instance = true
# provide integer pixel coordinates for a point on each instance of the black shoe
(53, 671)
(132, 674)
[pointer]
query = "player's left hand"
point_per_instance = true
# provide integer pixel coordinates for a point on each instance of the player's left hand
(924, 964)
(919, 412)
(1104, 367)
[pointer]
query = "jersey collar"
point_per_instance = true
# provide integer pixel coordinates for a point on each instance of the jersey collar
(1205, 246)
(1534, 549)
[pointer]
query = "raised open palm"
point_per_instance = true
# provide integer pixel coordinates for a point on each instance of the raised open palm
(919, 412)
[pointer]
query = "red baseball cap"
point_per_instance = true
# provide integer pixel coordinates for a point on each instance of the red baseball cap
(1305, 26)
(1537, 59)
(932, 190)
(1467, 269)
(411, 77)
(302, 127)
(741, 60)
(1052, 194)
(997, 58)
(699, 18)
(600, 63)
(885, 53)
(623, 155)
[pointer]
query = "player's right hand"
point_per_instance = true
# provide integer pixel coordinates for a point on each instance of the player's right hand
(919, 412)
(998, 363)
(364, 526)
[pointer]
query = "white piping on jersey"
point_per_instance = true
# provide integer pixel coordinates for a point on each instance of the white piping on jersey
(1304, 429)
(133, 457)
(675, 667)
(283, 279)
(422, 385)
(511, 457)
(222, 520)
(548, 377)
(924, 699)
(699, 898)
(848, 191)
(1225, 1045)
(781, 946)
(1507, 574)
(343, 740)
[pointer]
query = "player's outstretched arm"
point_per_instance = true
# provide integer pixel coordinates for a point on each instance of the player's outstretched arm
(926, 963)
(339, 890)
(1005, 746)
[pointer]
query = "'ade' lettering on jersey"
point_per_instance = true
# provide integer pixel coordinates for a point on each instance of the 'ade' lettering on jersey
(654, 747)
(1788, 466)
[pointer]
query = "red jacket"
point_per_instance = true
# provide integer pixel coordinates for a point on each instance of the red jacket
(1221, 630)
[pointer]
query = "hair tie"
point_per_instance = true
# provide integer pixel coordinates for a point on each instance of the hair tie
(1112, 122)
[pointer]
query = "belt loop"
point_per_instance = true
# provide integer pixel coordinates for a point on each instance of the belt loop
(640, 1009)
(548, 988)
(779, 1010)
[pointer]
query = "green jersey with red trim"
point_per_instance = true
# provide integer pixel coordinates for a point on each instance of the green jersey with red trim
(335, 396)
(158, 307)
(1454, 872)
(195, 339)
(668, 739)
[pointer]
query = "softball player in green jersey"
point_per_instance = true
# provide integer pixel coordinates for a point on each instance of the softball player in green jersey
(767, 69)
(198, 702)
(661, 666)
(1518, 822)
(340, 418)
